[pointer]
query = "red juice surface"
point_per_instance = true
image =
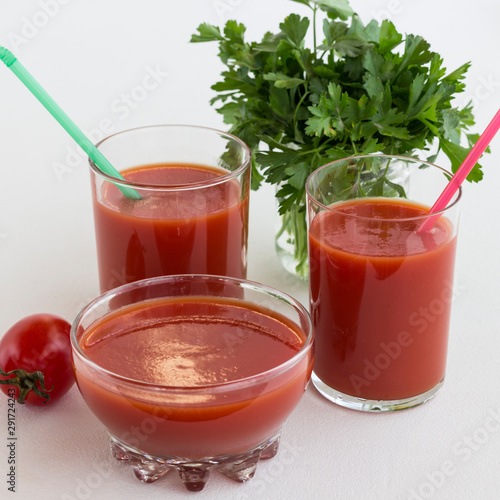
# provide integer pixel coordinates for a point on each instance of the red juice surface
(184, 231)
(193, 342)
(380, 297)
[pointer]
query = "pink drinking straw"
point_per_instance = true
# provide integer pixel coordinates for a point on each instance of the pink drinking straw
(462, 172)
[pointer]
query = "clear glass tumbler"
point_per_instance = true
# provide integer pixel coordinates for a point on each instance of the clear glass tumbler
(192, 213)
(380, 287)
(193, 373)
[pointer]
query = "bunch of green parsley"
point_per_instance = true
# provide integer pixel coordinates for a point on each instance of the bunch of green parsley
(361, 90)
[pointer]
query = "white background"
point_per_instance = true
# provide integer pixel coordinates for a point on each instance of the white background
(88, 55)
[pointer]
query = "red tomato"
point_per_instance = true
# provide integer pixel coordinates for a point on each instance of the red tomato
(38, 349)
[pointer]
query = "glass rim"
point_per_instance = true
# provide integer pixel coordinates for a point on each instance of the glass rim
(194, 389)
(456, 197)
(177, 187)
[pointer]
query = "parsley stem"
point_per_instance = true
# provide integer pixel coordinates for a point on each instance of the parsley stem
(306, 93)
(314, 26)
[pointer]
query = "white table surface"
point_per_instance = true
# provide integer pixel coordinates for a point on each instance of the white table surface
(89, 55)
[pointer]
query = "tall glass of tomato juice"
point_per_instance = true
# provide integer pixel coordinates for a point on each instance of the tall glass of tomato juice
(192, 211)
(380, 289)
(193, 373)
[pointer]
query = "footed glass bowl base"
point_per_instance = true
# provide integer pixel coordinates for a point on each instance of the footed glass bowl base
(373, 405)
(194, 473)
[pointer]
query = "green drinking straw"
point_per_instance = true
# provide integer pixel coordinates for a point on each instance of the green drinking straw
(53, 108)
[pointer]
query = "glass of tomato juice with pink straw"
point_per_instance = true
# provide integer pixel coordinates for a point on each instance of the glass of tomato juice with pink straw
(193, 373)
(190, 212)
(380, 287)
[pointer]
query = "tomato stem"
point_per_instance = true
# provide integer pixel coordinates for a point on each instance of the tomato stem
(26, 382)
